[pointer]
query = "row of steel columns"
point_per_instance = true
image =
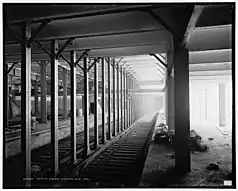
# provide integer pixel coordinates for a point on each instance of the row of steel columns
(125, 110)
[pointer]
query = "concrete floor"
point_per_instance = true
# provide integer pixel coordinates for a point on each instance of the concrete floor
(159, 167)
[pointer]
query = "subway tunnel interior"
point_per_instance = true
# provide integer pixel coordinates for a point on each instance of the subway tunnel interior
(118, 95)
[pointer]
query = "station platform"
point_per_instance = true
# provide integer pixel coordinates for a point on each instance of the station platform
(41, 134)
(159, 166)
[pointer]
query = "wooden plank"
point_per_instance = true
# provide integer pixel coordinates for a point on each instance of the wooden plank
(26, 105)
(73, 118)
(54, 108)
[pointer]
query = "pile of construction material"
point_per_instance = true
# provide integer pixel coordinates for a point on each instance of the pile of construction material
(164, 136)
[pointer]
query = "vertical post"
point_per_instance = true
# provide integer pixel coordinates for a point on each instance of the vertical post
(127, 98)
(5, 97)
(109, 101)
(86, 109)
(114, 97)
(181, 103)
(54, 107)
(124, 81)
(222, 104)
(121, 99)
(36, 98)
(118, 98)
(26, 103)
(65, 93)
(170, 120)
(43, 92)
(103, 103)
(73, 106)
(96, 105)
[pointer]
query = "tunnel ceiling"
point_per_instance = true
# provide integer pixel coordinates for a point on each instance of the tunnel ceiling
(124, 31)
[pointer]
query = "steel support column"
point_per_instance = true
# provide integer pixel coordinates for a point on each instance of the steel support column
(54, 107)
(96, 105)
(86, 109)
(36, 98)
(73, 108)
(118, 98)
(124, 93)
(65, 113)
(122, 99)
(127, 99)
(43, 107)
(26, 104)
(103, 103)
(109, 101)
(114, 96)
(181, 103)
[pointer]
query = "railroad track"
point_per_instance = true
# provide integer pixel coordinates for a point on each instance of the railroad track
(121, 163)
(42, 159)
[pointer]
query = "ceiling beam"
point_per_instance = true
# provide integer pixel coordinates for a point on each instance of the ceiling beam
(197, 11)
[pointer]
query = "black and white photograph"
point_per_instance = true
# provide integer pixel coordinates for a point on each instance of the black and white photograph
(118, 95)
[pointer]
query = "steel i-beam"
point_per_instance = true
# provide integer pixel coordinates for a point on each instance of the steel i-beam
(36, 98)
(73, 106)
(96, 105)
(114, 96)
(103, 103)
(54, 108)
(121, 99)
(124, 93)
(43, 83)
(26, 104)
(118, 98)
(127, 98)
(109, 101)
(64, 73)
(86, 110)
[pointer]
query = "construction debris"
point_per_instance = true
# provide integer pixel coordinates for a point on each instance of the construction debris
(164, 136)
(213, 166)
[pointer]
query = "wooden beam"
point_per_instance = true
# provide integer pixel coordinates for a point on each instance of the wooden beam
(73, 120)
(26, 105)
(54, 108)
(197, 11)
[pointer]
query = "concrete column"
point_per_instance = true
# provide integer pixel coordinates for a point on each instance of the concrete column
(181, 103)
(36, 98)
(222, 104)
(65, 110)
(54, 108)
(43, 109)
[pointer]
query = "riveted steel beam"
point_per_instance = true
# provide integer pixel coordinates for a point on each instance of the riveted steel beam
(73, 121)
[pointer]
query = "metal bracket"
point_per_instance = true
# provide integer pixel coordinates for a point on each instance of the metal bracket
(94, 62)
(68, 42)
(7, 72)
(38, 30)
(85, 53)
(165, 65)
(159, 20)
